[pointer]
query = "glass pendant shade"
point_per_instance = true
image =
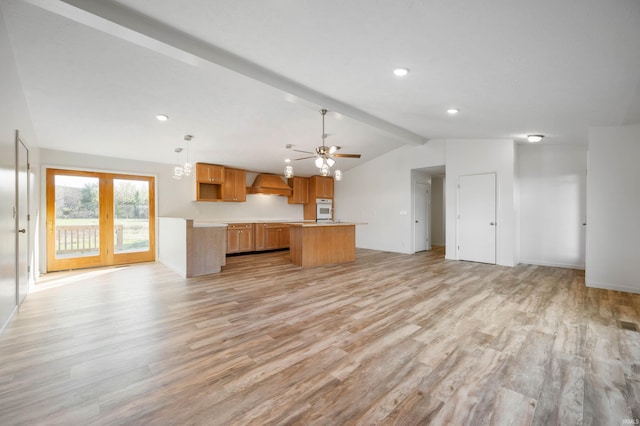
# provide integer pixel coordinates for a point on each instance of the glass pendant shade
(288, 172)
(178, 172)
(337, 175)
(324, 170)
(331, 162)
(187, 168)
(319, 162)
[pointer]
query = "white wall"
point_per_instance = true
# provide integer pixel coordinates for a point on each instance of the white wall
(14, 115)
(466, 157)
(552, 187)
(174, 197)
(613, 208)
(437, 211)
(379, 191)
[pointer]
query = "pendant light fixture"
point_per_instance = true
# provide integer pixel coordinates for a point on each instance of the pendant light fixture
(178, 171)
(188, 167)
(185, 169)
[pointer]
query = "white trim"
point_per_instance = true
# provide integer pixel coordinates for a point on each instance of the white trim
(607, 286)
(551, 264)
(13, 314)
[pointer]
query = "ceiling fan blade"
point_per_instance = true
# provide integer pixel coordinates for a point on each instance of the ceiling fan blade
(346, 155)
(304, 158)
(306, 152)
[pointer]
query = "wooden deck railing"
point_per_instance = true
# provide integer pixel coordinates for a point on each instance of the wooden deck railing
(82, 238)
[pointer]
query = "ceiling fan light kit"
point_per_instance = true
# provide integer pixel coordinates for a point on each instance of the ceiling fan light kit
(323, 156)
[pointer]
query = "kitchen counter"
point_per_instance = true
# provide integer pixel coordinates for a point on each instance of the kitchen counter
(314, 244)
(314, 224)
(191, 249)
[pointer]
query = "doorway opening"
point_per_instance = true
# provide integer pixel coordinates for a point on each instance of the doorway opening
(99, 219)
(428, 197)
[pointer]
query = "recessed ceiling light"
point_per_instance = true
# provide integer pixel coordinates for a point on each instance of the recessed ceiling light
(534, 138)
(162, 117)
(401, 72)
(453, 111)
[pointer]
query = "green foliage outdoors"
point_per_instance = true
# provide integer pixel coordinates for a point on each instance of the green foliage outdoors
(79, 207)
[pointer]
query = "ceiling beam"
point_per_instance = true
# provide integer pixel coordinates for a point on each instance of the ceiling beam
(144, 31)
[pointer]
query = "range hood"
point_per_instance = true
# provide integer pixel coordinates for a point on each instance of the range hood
(269, 184)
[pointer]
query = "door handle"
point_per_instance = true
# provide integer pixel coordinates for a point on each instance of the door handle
(24, 231)
(492, 223)
(416, 221)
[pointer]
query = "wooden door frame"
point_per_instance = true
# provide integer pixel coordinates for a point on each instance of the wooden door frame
(106, 256)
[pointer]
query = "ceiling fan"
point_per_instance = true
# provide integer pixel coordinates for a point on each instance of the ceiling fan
(324, 155)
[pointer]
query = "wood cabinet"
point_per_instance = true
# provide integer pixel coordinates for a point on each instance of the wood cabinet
(271, 236)
(209, 181)
(209, 173)
(300, 187)
(321, 187)
(234, 187)
(240, 237)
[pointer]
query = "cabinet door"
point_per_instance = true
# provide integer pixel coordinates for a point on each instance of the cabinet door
(246, 240)
(300, 193)
(209, 173)
(234, 187)
(272, 241)
(284, 236)
(326, 183)
(321, 187)
(233, 240)
(240, 184)
(259, 236)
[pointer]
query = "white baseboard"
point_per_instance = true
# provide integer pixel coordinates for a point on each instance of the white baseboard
(614, 287)
(551, 264)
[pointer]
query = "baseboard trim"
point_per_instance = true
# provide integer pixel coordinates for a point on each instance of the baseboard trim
(608, 286)
(13, 314)
(551, 264)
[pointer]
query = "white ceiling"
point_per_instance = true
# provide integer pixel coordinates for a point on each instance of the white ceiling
(248, 77)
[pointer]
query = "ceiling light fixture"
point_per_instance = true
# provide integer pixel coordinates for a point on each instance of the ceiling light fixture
(323, 156)
(178, 171)
(401, 72)
(162, 117)
(182, 170)
(288, 172)
(453, 111)
(534, 138)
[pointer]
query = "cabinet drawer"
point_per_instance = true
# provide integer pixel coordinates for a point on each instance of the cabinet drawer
(240, 226)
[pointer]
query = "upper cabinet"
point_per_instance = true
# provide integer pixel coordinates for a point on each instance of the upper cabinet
(209, 173)
(234, 187)
(321, 187)
(300, 187)
(209, 180)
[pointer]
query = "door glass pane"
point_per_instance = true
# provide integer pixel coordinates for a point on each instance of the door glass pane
(131, 215)
(77, 221)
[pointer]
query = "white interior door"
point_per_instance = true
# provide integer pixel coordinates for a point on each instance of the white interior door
(477, 218)
(22, 219)
(421, 215)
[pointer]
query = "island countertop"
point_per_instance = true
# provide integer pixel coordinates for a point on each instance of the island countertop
(320, 224)
(314, 244)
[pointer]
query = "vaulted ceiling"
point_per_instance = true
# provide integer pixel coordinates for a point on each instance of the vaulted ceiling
(246, 78)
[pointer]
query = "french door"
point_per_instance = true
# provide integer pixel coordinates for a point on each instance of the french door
(99, 219)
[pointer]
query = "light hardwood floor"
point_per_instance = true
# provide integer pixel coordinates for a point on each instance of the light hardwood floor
(388, 339)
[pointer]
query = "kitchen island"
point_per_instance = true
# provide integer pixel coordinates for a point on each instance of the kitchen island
(314, 244)
(192, 248)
